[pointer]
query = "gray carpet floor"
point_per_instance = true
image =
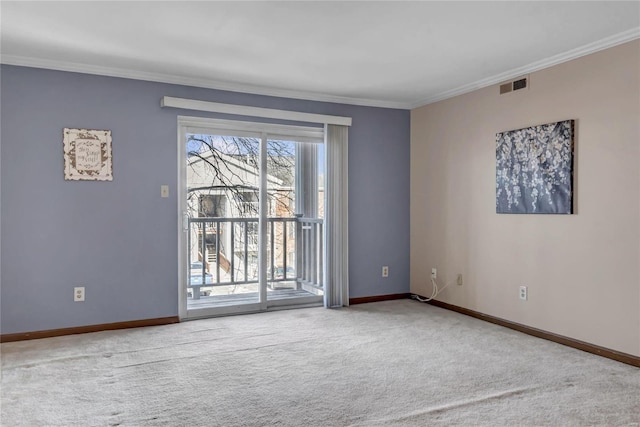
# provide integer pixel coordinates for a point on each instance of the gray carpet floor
(395, 363)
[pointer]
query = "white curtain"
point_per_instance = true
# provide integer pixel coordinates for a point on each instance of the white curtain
(336, 214)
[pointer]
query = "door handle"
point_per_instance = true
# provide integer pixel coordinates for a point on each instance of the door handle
(185, 221)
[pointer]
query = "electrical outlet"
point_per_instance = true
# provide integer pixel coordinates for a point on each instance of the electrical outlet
(459, 280)
(164, 191)
(524, 293)
(385, 271)
(78, 294)
(434, 273)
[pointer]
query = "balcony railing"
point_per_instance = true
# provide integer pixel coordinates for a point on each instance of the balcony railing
(310, 246)
(224, 251)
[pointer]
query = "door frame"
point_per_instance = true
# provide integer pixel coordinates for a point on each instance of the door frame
(187, 124)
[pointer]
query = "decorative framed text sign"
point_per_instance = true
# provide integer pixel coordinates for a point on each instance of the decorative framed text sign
(87, 155)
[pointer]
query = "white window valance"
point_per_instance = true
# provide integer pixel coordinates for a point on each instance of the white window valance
(243, 110)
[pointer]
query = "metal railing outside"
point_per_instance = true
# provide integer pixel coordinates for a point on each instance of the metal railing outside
(310, 247)
(234, 243)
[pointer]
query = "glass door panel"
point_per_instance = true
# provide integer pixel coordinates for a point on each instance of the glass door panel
(294, 232)
(223, 177)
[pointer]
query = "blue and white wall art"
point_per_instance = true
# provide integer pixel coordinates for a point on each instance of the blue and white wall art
(534, 169)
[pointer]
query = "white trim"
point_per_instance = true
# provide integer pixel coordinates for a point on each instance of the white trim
(74, 67)
(263, 213)
(202, 313)
(243, 110)
(587, 49)
(272, 305)
(301, 302)
(205, 124)
(183, 248)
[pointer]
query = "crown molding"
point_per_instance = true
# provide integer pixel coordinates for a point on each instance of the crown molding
(74, 67)
(587, 49)
(616, 39)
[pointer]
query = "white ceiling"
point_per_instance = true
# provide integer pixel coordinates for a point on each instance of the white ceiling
(394, 54)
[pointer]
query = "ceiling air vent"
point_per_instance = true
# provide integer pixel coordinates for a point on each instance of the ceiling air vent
(513, 85)
(520, 84)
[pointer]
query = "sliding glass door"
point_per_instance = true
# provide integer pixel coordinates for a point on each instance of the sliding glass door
(252, 206)
(295, 233)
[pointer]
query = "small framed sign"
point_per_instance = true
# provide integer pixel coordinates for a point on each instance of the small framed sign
(87, 155)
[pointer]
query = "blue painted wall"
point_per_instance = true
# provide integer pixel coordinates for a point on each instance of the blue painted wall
(119, 238)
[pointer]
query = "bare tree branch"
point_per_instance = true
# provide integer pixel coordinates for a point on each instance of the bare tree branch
(280, 164)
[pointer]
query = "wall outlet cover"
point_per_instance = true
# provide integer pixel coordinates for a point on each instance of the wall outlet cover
(78, 294)
(524, 293)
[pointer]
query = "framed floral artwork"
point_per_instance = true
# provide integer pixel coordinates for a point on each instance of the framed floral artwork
(534, 169)
(87, 155)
